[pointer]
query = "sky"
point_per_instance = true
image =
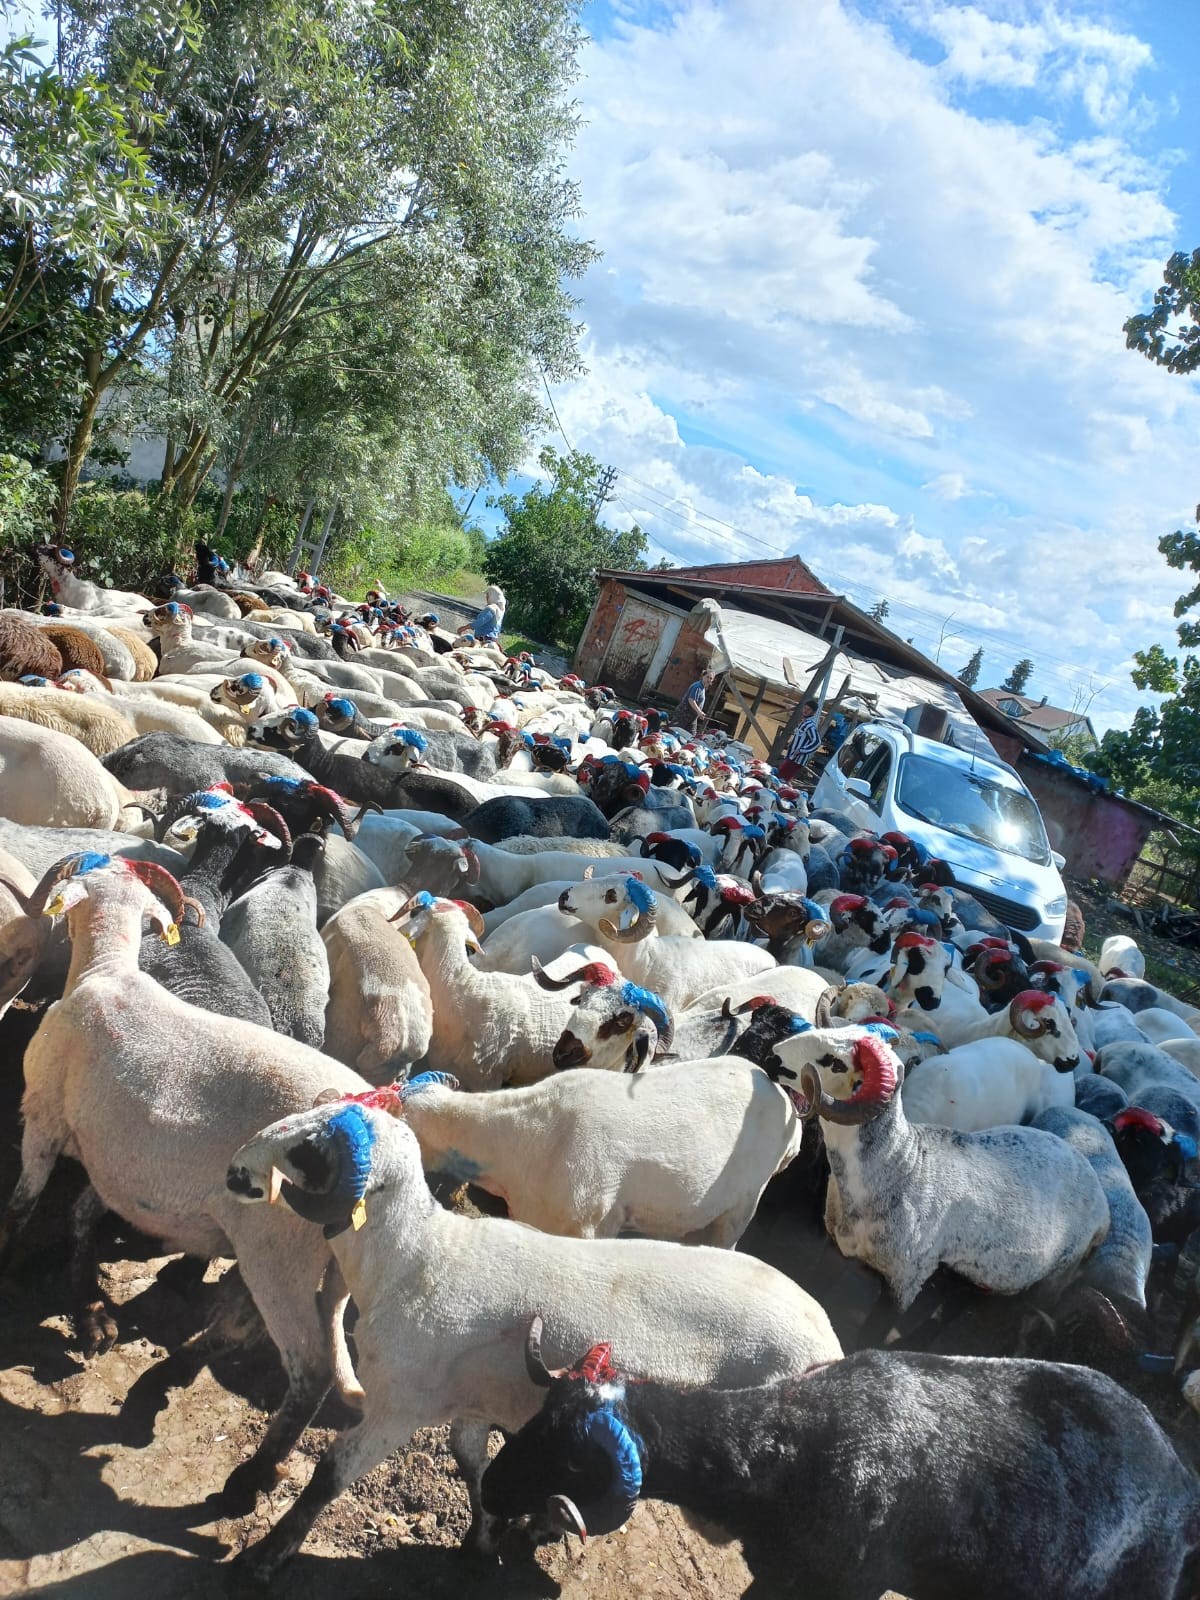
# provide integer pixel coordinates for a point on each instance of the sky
(865, 268)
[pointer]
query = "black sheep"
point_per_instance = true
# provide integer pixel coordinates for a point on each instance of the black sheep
(941, 1476)
(551, 816)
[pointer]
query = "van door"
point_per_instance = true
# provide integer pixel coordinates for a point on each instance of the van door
(858, 763)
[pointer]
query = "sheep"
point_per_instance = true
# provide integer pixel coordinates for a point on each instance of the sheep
(150, 714)
(48, 777)
(25, 649)
(505, 874)
(1119, 1266)
(919, 981)
(1137, 995)
(554, 816)
(1007, 1208)
(145, 662)
(1139, 1067)
(77, 649)
(489, 1028)
(121, 659)
(272, 930)
(443, 1301)
(857, 925)
(1185, 1051)
(986, 1084)
(164, 761)
(1156, 1156)
(57, 563)
(97, 725)
(680, 969)
(1121, 958)
(943, 1476)
(681, 1153)
(798, 988)
(547, 932)
(150, 1094)
(380, 1013)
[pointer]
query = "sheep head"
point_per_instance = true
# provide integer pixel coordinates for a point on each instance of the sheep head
(918, 974)
(596, 899)
(863, 864)
(293, 729)
(337, 714)
(846, 1075)
(441, 865)
(616, 1025)
(860, 923)
(419, 915)
(786, 915)
(1042, 1022)
(249, 695)
(87, 873)
(217, 808)
(580, 1441)
(172, 617)
(308, 806)
(398, 750)
(320, 1162)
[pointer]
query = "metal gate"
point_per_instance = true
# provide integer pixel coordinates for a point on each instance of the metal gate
(632, 647)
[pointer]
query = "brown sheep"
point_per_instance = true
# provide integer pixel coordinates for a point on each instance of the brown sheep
(99, 727)
(146, 660)
(77, 650)
(246, 603)
(26, 649)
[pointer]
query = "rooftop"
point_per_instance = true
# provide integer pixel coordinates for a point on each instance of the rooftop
(1036, 713)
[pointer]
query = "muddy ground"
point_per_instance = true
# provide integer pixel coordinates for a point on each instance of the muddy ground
(86, 1513)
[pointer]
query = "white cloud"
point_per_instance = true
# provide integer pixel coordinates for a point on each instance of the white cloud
(826, 283)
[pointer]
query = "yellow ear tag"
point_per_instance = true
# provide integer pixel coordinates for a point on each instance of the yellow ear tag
(359, 1215)
(53, 907)
(170, 934)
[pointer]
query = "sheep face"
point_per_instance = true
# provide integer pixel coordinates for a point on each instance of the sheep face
(620, 907)
(575, 1467)
(785, 916)
(846, 1075)
(320, 1162)
(861, 924)
(173, 619)
(248, 696)
(616, 1025)
(1041, 1022)
(397, 751)
(419, 916)
(864, 864)
(284, 730)
(440, 866)
(274, 652)
(918, 974)
(1149, 1147)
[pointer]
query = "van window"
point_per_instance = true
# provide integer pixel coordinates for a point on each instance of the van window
(876, 770)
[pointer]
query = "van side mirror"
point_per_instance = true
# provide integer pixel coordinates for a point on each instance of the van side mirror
(1058, 859)
(858, 786)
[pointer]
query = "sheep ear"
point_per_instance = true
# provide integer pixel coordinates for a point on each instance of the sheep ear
(327, 1097)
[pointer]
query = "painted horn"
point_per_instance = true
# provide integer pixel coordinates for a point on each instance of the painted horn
(564, 1515)
(68, 867)
(845, 1112)
(544, 981)
(268, 818)
(166, 888)
(535, 1364)
(345, 1143)
(605, 1429)
(823, 1014)
(1027, 1030)
(639, 928)
(673, 883)
(984, 975)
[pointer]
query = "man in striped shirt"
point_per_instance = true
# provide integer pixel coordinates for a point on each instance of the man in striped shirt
(804, 743)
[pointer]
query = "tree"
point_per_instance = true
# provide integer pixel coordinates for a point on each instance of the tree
(879, 611)
(317, 164)
(1019, 676)
(969, 676)
(551, 545)
(1179, 296)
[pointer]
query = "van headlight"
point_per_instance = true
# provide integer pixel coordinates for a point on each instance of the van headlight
(1058, 907)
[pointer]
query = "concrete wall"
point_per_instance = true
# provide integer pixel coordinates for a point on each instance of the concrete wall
(1100, 835)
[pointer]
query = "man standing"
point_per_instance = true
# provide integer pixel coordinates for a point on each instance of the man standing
(804, 743)
(691, 707)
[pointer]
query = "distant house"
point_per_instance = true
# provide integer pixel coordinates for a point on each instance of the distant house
(1051, 722)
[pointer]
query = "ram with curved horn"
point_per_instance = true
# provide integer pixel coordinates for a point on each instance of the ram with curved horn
(1006, 1208)
(1093, 1496)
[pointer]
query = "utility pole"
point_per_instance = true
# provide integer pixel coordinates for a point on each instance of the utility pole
(604, 490)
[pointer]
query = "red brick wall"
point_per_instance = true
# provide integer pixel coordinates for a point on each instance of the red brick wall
(596, 636)
(788, 574)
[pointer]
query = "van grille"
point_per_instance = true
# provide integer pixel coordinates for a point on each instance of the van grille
(1010, 912)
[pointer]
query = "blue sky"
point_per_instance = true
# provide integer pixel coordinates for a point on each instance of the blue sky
(865, 266)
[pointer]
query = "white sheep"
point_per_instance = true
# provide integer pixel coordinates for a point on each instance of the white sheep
(380, 1014)
(445, 1302)
(1121, 958)
(547, 932)
(151, 1094)
(1007, 1208)
(683, 1152)
(48, 777)
(679, 969)
(989, 1083)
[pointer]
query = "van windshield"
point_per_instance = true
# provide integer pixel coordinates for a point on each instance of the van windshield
(970, 805)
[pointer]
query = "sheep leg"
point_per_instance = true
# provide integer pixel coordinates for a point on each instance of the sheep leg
(335, 1297)
(94, 1325)
(469, 1447)
(348, 1457)
(298, 1321)
(39, 1152)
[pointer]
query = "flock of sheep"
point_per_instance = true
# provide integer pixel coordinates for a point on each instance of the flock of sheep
(325, 904)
